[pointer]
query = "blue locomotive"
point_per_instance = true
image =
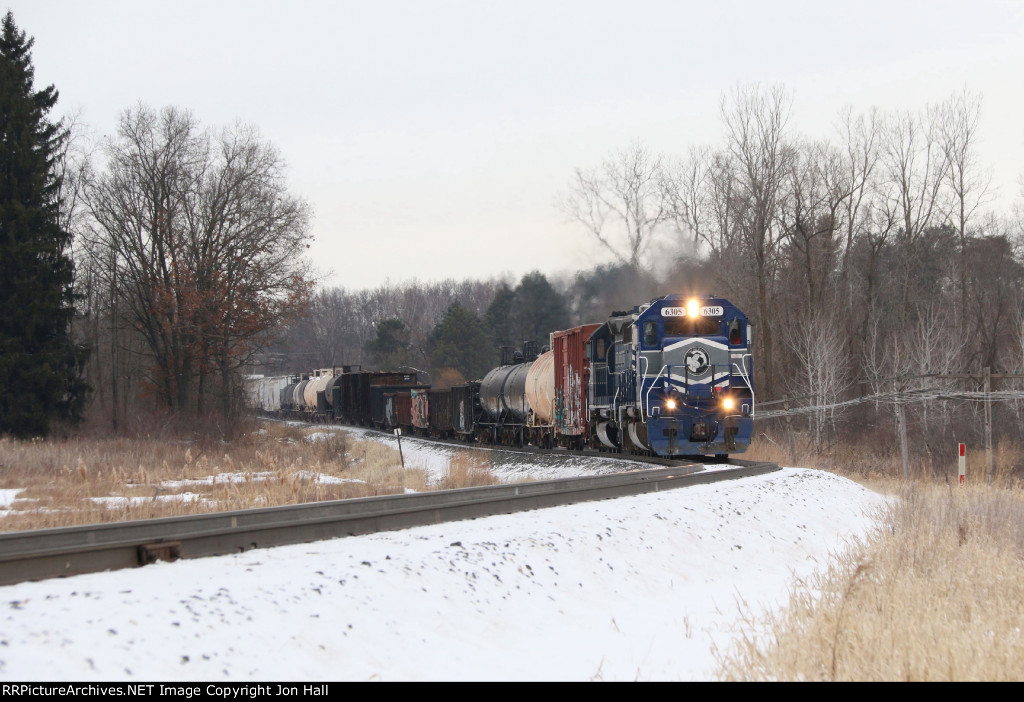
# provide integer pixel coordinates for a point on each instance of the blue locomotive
(674, 377)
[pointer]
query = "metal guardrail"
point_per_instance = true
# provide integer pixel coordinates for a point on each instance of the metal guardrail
(46, 553)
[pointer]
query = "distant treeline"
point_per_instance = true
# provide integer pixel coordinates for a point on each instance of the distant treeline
(868, 256)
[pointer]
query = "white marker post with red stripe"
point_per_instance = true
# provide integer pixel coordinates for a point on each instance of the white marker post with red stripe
(963, 462)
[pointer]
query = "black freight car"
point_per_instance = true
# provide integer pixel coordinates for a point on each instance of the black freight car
(440, 413)
(358, 390)
(466, 410)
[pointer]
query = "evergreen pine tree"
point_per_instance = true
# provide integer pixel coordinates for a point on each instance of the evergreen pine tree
(40, 366)
(460, 341)
(539, 309)
(498, 318)
(390, 348)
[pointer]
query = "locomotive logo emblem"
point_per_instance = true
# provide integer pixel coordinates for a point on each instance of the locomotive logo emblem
(697, 361)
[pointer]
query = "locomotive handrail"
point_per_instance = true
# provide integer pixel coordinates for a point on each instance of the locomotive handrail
(747, 369)
(645, 407)
(746, 379)
(618, 389)
(640, 379)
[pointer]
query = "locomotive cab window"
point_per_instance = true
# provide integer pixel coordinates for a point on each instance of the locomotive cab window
(650, 333)
(692, 326)
(735, 336)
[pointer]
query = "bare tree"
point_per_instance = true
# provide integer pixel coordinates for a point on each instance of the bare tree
(205, 246)
(968, 186)
(73, 166)
(823, 370)
(860, 135)
(727, 207)
(884, 358)
(915, 169)
(621, 202)
(860, 145)
(686, 184)
(817, 188)
(137, 210)
(933, 348)
(995, 277)
(756, 123)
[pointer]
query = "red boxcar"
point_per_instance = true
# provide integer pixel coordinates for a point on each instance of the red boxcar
(572, 371)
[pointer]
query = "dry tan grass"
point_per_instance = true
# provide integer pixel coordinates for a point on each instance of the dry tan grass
(865, 462)
(878, 464)
(934, 595)
(86, 481)
(469, 469)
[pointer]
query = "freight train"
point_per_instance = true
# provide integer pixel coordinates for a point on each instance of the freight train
(672, 377)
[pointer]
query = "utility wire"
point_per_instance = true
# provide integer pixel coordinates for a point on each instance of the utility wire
(920, 395)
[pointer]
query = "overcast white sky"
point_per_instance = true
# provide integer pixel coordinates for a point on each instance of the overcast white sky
(443, 131)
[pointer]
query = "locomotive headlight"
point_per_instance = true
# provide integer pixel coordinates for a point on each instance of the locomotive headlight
(692, 308)
(728, 403)
(670, 405)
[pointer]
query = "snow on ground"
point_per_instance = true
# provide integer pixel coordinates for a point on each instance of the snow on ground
(433, 458)
(638, 588)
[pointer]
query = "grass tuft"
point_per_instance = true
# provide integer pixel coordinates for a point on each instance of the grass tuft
(469, 469)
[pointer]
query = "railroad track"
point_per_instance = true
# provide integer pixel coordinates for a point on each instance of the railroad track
(555, 453)
(48, 553)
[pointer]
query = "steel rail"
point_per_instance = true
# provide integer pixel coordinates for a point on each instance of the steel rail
(556, 453)
(47, 553)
